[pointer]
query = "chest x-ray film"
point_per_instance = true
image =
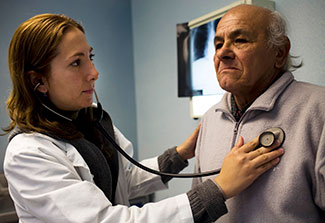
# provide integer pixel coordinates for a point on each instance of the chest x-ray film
(196, 73)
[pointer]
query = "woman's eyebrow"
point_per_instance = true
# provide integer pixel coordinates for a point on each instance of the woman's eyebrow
(81, 53)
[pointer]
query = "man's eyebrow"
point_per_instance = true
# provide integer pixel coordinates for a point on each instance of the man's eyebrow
(233, 34)
(238, 32)
(218, 38)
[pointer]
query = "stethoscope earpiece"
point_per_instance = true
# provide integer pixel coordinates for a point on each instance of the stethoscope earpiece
(37, 85)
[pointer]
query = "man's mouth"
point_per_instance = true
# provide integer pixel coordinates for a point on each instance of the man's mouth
(227, 69)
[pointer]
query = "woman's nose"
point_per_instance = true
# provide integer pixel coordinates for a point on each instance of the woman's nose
(93, 73)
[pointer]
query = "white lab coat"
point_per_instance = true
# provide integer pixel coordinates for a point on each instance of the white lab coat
(49, 181)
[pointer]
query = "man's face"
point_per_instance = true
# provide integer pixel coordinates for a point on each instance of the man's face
(243, 61)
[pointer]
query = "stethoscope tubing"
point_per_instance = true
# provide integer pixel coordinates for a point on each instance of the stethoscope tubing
(136, 163)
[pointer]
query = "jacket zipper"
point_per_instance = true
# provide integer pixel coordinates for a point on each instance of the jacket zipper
(234, 139)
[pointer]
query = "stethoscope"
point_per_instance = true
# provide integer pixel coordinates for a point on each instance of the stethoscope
(266, 139)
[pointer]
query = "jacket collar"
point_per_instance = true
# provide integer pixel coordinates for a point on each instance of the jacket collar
(265, 101)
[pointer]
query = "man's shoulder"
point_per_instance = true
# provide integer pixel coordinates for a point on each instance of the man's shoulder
(309, 89)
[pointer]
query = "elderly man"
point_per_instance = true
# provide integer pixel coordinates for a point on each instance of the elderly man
(252, 62)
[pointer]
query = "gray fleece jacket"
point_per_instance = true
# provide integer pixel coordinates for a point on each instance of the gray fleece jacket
(294, 190)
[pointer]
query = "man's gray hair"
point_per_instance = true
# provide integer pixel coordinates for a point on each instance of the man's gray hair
(277, 37)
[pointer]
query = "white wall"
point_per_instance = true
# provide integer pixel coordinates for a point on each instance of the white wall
(163, 118)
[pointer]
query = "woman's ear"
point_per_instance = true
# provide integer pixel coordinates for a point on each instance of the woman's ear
(37, 81)
(282, 54)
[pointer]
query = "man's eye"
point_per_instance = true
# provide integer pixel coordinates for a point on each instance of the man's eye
(241, 40)
(218, 45)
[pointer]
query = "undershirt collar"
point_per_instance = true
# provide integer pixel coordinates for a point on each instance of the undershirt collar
(235, 111)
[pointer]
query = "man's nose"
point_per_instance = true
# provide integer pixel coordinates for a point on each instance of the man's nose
(225, 52)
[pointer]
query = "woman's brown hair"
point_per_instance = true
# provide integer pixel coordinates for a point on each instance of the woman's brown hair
(32, 48)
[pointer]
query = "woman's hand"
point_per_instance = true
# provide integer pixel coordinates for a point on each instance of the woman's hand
(243, 165)
(187, 149)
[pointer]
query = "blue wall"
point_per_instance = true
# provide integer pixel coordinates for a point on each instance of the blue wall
(135, 47)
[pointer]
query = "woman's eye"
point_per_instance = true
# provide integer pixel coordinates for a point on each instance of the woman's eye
(76, 63)
(91, 56)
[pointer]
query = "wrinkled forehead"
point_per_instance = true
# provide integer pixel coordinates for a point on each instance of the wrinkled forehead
(246, 17)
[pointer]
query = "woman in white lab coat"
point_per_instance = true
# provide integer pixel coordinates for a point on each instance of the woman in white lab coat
(59, 166)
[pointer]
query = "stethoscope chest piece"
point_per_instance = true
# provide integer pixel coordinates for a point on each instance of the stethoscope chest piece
(268, 137)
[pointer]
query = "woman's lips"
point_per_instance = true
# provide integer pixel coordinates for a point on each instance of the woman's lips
(90, 91)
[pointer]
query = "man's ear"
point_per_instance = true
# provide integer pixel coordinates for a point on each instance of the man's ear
(282, 54)
(37, 81)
